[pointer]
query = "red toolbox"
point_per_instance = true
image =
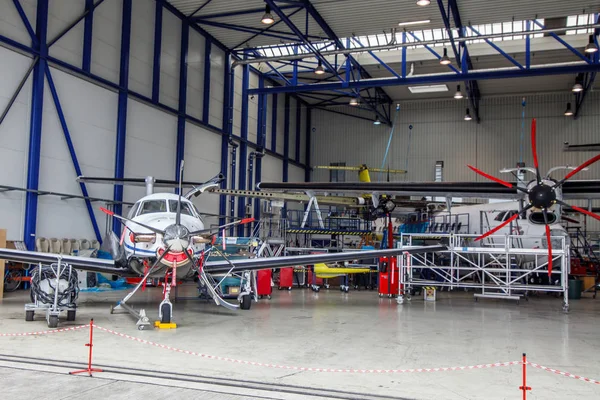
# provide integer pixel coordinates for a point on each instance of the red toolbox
(389, 278)
(263, 283)
(286, 278)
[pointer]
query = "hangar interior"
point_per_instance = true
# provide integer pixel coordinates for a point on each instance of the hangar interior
(265, 117)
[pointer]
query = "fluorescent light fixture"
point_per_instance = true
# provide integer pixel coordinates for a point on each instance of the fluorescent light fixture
(568, 111)
(377, 121)
(425, 21)
(423, 2)
(428, 88)
(267, 18)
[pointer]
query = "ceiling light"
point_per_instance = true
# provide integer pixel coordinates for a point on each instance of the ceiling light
(377, 121)
(468, 116)
(568, 111)
(425, 21)
(458, 95)
(591, 46)
(353, 101)
(577, 87)
(319, 70)
(445, 60)
(423, 2)
(428, 88)
(267, 18)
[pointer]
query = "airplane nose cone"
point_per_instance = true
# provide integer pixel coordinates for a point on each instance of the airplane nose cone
(542, 196)
(177, 237)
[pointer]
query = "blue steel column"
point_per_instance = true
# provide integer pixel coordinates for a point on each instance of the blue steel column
(180, 155)
(157, 50)
(262, 141)
(35, 125)
(274, 125)
(122, 110)
(298, 132)
(87, 37)
(243, 145)
(227, 122)
(308, 144)
(286, 138)
(206, 88)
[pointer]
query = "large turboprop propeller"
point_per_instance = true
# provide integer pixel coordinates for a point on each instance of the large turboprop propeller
(541, 196)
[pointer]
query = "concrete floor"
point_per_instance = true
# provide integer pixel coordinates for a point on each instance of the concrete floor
(301, 328)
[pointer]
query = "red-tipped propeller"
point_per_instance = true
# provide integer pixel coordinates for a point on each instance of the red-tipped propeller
(541, 196)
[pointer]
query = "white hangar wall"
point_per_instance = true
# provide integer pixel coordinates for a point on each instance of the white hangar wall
(90, 107)
(440, 134)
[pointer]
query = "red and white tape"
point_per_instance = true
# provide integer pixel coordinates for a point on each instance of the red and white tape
(563, 373)
(311, 369)
(73, 328)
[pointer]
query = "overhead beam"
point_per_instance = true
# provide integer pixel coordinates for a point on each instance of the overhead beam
(590, 77)
(500, 73)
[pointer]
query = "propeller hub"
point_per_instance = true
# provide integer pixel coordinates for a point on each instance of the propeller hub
(542, 196)
(177, 237)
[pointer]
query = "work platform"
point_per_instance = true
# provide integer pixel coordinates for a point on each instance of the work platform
(498, 268)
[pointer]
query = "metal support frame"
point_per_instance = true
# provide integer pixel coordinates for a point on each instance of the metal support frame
(274, 123)
(298, 131)
(35, 125)
(493, 269)
(286, 139)
(122, 110)
(158, 17)
(308, 144)
(86, 62)
(206, 86)
(590, 77)
(183, 70)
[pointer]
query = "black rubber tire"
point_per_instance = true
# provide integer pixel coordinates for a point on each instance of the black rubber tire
(53, 321)
(71, 315)
(29, 315)
(246, 302)
(166, 314)
(12, 281)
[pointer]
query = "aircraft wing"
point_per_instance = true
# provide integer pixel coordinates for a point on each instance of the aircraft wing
(85, 263)
(583, 189)
(309, 259)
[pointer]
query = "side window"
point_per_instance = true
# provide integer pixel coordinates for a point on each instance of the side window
(133, 210)
(500, 217)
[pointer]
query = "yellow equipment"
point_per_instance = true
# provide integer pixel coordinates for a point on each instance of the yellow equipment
(324, 271)
(363, 171)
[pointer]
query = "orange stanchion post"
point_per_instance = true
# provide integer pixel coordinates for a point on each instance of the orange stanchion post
(524, 388)
(89, 369)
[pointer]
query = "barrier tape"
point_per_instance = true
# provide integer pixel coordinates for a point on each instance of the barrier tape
(563, 373)
(74, 328)
(310, 369)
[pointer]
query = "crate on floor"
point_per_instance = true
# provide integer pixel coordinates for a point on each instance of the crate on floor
(429, 293)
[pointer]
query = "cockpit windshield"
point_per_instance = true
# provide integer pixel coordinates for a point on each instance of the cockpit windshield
(153, 206)
(186, 208)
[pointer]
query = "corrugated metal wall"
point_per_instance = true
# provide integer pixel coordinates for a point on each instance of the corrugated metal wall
(439, 132)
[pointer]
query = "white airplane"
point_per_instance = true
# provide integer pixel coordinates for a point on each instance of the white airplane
(164, 236)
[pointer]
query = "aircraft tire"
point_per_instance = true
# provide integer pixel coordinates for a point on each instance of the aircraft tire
(246, 302)
(166, 314)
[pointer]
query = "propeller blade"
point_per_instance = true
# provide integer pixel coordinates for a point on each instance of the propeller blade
(496, 229)
(502, 225)
(498, 180)
(534, 149)
(586, 212)
(112, 214)
(218, 228)
(576, 170)
(549, 246)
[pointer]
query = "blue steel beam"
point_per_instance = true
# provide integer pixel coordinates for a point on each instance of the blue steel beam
(236, 13)
(78, 172)
(88, 29)
(243, 146)
(158, 17)
(274, 24)
(35, 125)
(32, 35)
(430, 79)
(498, 49)
(589, 78)
(206, 88)
(248, 29)
(471, 86)
(286, 139)
(332, 36)
(298, 131)
(225, 138)
(274, 123)
(199, 8)
(567, 45)
(183, 70)
(88, 11)
(122, 110)
(308, 144)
